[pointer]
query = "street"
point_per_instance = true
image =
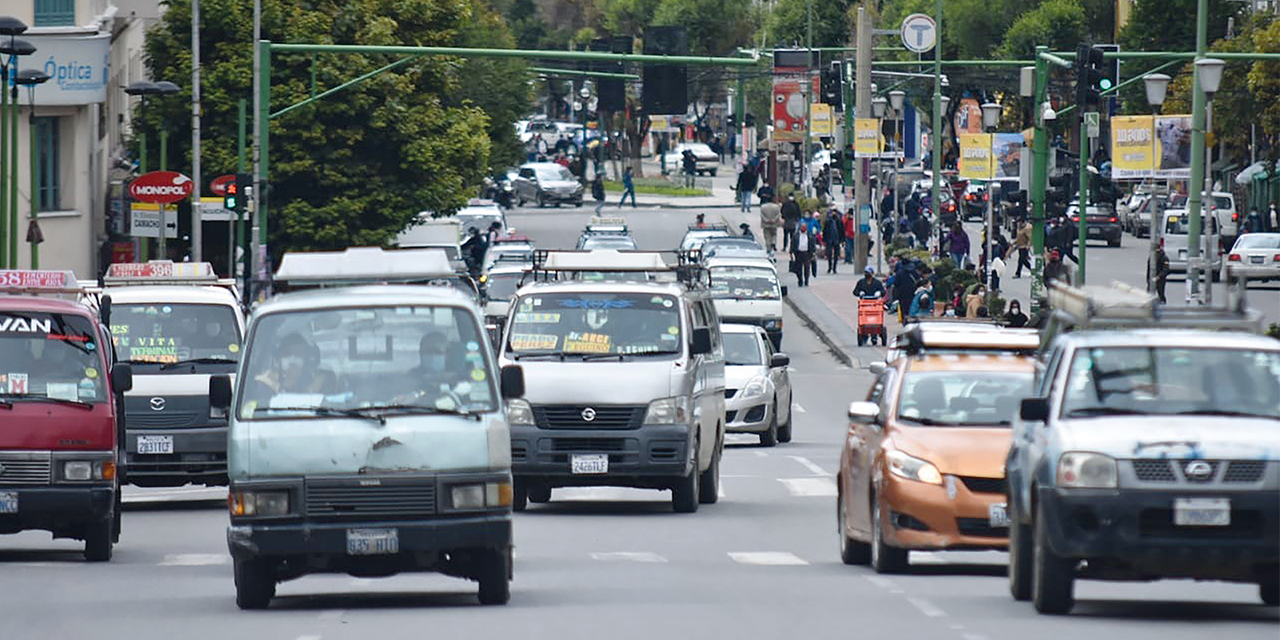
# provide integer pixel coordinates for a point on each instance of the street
(617, 563)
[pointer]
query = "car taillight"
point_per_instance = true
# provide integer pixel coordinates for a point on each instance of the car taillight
(1235, 257)
(1075, 218)
(1275, 258)
(1235, 216)
(984, 197)
(1113, 219)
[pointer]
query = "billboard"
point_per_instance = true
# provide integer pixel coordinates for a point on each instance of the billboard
(788, 105)
(1006, 152)
(975, 156)
(1173, 146)
(821, 122)
(1132, 147)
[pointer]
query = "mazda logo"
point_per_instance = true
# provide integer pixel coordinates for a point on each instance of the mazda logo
(1198, 470)
(588, 414)
(157, 404)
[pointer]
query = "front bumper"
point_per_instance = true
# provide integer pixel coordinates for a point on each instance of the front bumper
(925, 516)
(199, 457)
(63, 510)
(553, 196)
(1133, 531)
(749, 414)
(649, 456)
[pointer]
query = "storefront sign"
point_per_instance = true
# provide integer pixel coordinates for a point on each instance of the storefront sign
(78, 67)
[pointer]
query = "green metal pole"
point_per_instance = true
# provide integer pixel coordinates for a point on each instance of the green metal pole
(4, 163)
(1083, 201)
(1039, 175)
(1197, 155)
(264, 146)
(35, 184)
(937, 124)
(241, 161)
(846, 89)
(13, 175)
(162, 249)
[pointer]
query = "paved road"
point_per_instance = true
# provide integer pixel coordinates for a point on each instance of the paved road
(607, 563)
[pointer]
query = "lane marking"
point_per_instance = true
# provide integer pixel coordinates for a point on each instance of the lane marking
(808, 464)
(926, 607)
(628, 556)
(795, 406)
(194, 559)
(810, 487)
(884, 583)
(720, 492)
(609, 494)
(770, 558)
(308, 638)
(973, 636)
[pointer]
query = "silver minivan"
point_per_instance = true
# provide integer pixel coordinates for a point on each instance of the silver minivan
(625, 380)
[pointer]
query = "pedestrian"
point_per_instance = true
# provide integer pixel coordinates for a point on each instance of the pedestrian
(770, 220)
(997, 272)
(803, 242)
(903, 288)
(868, 288)
(1022, 242)
(922, 301)
(1014, 317)
(921, 228)
(1273, 219)
(974, 300)
(473, 251)
(690, 164)
(849, 235)
(886, 205)
(700, 221)
(1162, 271)
(628, 188)
(833, 238)
(540, 144)
(1055, 269)
(746, 231)
(746, 186)
(766, 192)
(958, 244)
(813, 226)
(790, 218)
(597, 191)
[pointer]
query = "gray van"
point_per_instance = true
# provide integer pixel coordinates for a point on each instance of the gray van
(625, 379)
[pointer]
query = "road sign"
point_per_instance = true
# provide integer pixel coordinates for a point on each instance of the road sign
(144, 220)
(219, 185)
(214, 210)
(1092, 122)
(161, 187)
(919, 32)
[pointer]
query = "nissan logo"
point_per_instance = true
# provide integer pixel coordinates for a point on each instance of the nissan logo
(157, 404)
(1198, 470)
(588, 414)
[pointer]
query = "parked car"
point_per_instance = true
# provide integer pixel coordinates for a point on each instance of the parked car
(1255, 256)
(1175, 236)
(708, 161)
(757, 387)
(547, 183)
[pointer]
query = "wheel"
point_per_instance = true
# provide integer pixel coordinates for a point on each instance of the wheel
(684, 494)
(255, 584)
(494, 575)
(519, 495)
(538, 493)
(1270, 592)
(98, 540)
(578, 204)
(884, 558)
(713, 173)
(851, 551)
(1113, 243)
(1216, 275)
(784, 429)
(862, 340)
(1052, 578)
(709, 483)
(769, 437)
(542, 202)
(1019, 557)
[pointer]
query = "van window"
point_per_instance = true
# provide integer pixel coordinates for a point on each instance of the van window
(410, 359)
(1178, 225)
(595, 323)
(168, 333)
(50, 355)
(744, 283)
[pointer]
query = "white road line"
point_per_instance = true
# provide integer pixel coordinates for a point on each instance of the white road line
(720, 492)
(308, 638)
(973, 636)
(336, 614)
(771, 558)
(927, 607)
(884, 583)
(795, 406)
(628, 556)
(195, 559)
(808, 464)
(760, 454)
(810, 487)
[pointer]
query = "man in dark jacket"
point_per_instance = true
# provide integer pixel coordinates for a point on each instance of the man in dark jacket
(904, 288)
(790, 218)
(804, 240)
(746, 185)
(833, 238)
(868, 287)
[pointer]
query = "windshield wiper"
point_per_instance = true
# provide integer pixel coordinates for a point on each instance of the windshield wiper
(10, 397)
(1224, 412)
(322, 411)
(588, 357)
(207, 360)
(548, 354)
(379, 411)
(1105, 411)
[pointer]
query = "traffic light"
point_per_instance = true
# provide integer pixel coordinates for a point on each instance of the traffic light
(665, 86)
(231, 199)
(1091, 76)
(831, 87)
(238, 193)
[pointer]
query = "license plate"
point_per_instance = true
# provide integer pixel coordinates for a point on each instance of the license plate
(372, 542)
(1095, 232)
(1256, 259)
(1202, 512)
(997, 515)
(595, 463)
(8, 501)
(155, 444)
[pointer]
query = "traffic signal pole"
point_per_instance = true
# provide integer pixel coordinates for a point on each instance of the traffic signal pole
(1083, 202)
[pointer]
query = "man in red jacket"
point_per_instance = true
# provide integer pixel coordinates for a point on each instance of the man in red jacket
(850, 221)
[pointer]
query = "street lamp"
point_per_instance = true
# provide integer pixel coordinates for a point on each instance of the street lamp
(1157, 85)
(31, 78)
(142, 89)
(936, 181)
(990, 118)
(9, 146)
(9, 26)
(897, 100)
(1210, 71)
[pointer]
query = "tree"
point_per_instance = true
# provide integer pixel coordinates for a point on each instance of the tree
(715, 27)
(1166, 25)
(353, 168)
(788, 23)
(1058, 24)
(1264, 84)
(495, 84)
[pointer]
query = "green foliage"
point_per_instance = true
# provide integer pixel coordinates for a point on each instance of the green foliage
(354, 168)
(1167, 25)
(1274, 331)
(494, 85)
(1059, 24)
(788, 24)
(715, 27)
(1264, 85)
(950, 279)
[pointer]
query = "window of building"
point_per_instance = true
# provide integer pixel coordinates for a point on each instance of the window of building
(49, 161)
(55, 13)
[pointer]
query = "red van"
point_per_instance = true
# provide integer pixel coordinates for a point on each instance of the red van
(61, 423)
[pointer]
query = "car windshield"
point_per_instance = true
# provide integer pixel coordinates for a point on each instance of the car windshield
(554, 173)
(50, 355)
(583, 324)
(608, 242)
(1178, 225)
(742, 349)
(694, 239)
(169, 333)
(744, 283)
(502, 286)
(1173, 380)
(953, 398)
(1258, 241)
(318, 363)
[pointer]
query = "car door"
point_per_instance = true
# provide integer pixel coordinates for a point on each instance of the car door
(1029, 439)
(526, 185)
(863, 442)
(780, 377)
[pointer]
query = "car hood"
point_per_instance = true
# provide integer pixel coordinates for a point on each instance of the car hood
(961, 451)
(737, 376)
(1172, 436)
(559, 184)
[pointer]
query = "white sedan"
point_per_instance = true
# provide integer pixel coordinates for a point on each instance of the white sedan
(708, 161)
(757, 387)
(1255, 256)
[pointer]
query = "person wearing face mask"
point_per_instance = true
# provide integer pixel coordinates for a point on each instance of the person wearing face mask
(1014, 317)
(295, 369)
(975, 300)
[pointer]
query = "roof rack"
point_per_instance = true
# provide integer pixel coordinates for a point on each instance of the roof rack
(918, 339)
(1124, 306)
(548, 263)
(364, 265)
(709, 226)
(606, 224)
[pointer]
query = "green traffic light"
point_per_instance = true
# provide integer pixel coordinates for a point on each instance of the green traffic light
(1105, 84)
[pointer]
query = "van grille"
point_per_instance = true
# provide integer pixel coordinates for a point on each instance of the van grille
(24, 469)
(588, 444)
(571, 417)
(1153, 471)
(163, 419)
(346, 500)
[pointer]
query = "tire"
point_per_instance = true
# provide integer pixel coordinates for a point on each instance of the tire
(852, 551)
(542, 202)
(98, 540)
(684, 493)
(578, 204)
(255, 584)
(538, 493)
(862, 340)
(784, 430)
(709, 483)
(769, 437)
(1019, 557)
(884, 558)
(1270, 593)
(519, 495)
(116, 520)
(1052, 578)
(713, 173)
(1114, 243)
(494, 576)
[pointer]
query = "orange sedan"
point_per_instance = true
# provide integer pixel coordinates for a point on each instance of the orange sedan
(922, 465)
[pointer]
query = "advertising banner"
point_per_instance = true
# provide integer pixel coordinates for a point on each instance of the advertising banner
(788, 106)
(1006, 151)
(968, 117)
(77, 66)
(975, 156)
(820, 120)
(1173, 146)
(1132, 147)
(867, 142)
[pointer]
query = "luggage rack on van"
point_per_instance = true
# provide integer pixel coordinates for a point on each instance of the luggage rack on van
(364, 265)
(606, 225)
(550, 263)
(1121, 306)
(163, 272)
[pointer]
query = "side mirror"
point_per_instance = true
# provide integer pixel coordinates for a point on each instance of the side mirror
(700, 343)
(104, 310)
(121, 377)
(864, 412)
(1034, 409)
(220, 392)
(779, 360)
(784, 290)
(512, 379)
(876, 368)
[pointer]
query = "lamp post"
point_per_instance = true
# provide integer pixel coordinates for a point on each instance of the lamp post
(31, 78)
(1210, 79)
(14, 49)
(12, 27)
(990, 118)
(1157, 85)
(936, 179)
(142, 89)
(897, 100)
(878, 106)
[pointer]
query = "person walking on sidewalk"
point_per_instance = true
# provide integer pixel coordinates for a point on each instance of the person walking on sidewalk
(790, 218)
(849, 221)
(903, 286)
(770, 220)
(597, 191)
(1022, 243)
(628, 188)
(833, 238)
(690, 163)
(813, 225)
(1162, 270)
(803, 242)
(746, 186)
(958, 244)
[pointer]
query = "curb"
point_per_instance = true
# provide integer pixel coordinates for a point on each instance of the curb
(839, 353)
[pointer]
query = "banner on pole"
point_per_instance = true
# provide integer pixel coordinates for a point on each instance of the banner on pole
(1173, 144)
(1132, 147)
(867, 142)
(820, 120)
(975, 156)
(788, 104)
(1006, 152)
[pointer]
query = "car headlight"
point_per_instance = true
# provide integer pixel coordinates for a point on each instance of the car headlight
(756, 387)
(519, 413)
(912, 468)
(1087, 470)
(85, 470)
(258, 503)
(668, 411)
(773, 324)
(480, 495)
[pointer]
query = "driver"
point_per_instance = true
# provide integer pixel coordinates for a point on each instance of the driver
(295, 369)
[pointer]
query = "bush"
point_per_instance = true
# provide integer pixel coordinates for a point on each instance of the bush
(1274, 331)
(950, 279)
